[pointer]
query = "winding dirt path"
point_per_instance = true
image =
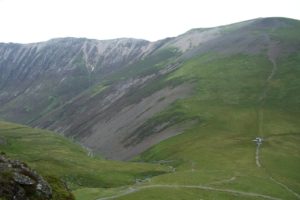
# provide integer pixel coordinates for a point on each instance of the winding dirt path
(257, 156)
(273, 52)
(235, 192)
(223, 181)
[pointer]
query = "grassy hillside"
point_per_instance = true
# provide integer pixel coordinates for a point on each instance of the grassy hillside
(237, 103)
(244, 84)
(237, 98)
(58, 158)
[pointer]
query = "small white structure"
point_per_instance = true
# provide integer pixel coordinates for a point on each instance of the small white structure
(258, 140)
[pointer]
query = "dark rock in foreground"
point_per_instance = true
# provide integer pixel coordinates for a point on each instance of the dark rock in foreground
(19, 182)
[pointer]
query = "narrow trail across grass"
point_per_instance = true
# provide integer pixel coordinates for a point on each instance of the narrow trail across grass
(272, 55)
(286, 187)
(235, 192)
(223, 181)
(273, 52)
(257, 156)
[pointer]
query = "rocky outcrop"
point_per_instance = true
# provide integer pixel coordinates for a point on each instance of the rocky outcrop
(19, 182)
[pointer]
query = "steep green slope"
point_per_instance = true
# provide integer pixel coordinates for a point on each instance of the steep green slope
(216, 158)
(229, 103)
(57, 158)
(237, 98)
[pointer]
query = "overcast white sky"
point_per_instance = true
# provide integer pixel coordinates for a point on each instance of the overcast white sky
(27, 21)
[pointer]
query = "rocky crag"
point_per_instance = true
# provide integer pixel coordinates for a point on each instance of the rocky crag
(19, 182)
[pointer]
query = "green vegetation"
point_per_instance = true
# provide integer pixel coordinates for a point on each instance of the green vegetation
(237, 97)
(95, 193)
(58, 159)
(60, 192)
(97, 89)
(231, 109)
(182, 193)
(160, 122)
(147, 66)
(289, 33)
(218, 151)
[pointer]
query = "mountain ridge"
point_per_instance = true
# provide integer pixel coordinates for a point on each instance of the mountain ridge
(102, 78)
(191, 30)
(210, 114)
